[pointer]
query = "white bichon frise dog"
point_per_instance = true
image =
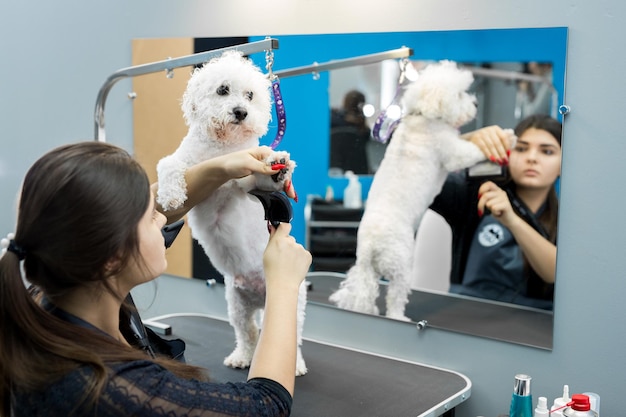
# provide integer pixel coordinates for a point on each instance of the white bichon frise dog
(227, 106)
(424, 148)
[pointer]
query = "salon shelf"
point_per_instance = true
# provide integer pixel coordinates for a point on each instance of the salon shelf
(331, 234)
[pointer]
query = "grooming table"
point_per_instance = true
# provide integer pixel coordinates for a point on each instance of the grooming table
(486, 318)
(340, 382)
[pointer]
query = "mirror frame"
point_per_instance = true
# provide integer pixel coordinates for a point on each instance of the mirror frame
(306, 100)
(308, 141)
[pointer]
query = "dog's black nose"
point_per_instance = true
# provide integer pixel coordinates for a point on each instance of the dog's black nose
(240, 113)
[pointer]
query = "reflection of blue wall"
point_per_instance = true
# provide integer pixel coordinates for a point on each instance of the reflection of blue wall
(306, 99)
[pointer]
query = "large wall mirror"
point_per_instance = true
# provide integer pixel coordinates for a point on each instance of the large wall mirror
(495, 54)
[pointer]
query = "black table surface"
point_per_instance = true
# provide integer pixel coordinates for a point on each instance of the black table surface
(517, 324)
(340, 382)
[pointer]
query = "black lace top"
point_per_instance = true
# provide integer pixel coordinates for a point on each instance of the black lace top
(143, 388)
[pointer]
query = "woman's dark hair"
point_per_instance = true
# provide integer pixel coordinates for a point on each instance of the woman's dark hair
(79, 208)
(548, 218)
(542, 122)
(353, 103)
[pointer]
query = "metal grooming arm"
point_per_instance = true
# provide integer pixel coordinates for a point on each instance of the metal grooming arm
(403, 52)
(517, 76)
(167, 65)
(406, 52)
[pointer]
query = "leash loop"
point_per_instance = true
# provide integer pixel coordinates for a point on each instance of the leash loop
(280, 113)
(382, 120)
(278, 99)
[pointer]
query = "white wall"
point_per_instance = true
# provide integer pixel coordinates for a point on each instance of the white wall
(56, 55)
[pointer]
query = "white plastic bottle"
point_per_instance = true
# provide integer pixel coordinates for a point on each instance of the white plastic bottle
(542, 408)
(560, 403)
(352, 193)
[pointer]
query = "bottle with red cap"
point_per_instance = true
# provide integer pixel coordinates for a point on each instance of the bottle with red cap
(580, 406)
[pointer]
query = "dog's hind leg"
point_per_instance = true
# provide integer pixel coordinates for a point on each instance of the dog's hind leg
(398, 295)
(241, 309)
(395, 266)
(358, 292)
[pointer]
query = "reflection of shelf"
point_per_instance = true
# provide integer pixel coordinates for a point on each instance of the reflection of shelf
(330, 235)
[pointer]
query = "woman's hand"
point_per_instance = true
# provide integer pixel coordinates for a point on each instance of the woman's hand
(246, 162)
(495, 199)
(494, 142)
(285, 261)
(540, 252)
(207, 176)
(243, 163)
(286, 264)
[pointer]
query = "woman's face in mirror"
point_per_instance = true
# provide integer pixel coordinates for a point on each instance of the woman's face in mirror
(535, 160)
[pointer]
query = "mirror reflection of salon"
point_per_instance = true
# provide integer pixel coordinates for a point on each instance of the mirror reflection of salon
(349, 136)
(358, 94)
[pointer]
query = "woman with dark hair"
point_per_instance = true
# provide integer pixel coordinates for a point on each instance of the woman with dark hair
(88, 232)
(504, 232)
(349, 135)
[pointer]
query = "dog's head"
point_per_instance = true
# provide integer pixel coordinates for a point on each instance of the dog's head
(440, 92)
(229, 99)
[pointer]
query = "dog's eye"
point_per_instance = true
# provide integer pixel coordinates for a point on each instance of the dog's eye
(222, 90)
(249, 95)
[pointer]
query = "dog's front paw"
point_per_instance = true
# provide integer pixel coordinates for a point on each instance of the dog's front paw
(283, 165)
(281, 180)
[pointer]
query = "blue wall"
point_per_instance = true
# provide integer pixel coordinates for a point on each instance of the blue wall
(306, 98)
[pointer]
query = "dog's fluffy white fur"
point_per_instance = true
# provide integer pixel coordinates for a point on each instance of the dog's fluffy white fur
(424, 148)
(227, 106)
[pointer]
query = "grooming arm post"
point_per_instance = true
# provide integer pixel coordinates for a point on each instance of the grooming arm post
(344, 63)
(168, 64)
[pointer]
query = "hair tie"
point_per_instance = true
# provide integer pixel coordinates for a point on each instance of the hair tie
(16, 249)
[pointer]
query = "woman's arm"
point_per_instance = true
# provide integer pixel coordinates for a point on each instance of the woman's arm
(286, 263)
(204, 178)
(540, 252)
(493, 141)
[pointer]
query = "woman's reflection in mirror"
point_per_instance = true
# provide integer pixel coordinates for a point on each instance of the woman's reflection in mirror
(504, 232)
(349, 135)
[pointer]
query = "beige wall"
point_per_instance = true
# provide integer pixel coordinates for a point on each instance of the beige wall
(158, 123)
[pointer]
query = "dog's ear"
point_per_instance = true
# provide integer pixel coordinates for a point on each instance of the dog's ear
(189, 108)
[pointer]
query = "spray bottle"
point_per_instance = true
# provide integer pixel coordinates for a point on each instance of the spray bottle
(580, 406)
(522, 401)
(560, 403)
(352, 193)
(594, 399)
